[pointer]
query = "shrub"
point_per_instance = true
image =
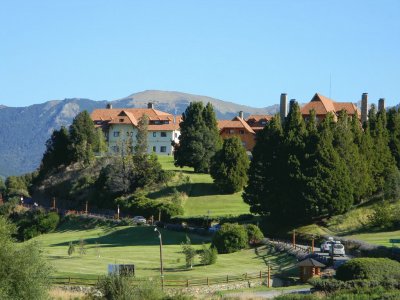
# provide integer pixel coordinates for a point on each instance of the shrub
(115, 287)
(230, 238)
(369, 268)
(208, 256)
(24, 274)
(382, 217)
(254, 234)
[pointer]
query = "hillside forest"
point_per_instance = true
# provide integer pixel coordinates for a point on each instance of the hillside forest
(300, 170)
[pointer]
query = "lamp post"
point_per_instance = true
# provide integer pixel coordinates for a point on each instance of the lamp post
(161, 260)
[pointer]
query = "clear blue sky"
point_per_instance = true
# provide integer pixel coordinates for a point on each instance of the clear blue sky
(246, 52)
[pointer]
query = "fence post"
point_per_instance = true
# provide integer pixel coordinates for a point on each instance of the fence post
(162, 283)
(227, 278)
(208, 282)
(187, 282)
(260, 274)
(69, 280)
(269, 276)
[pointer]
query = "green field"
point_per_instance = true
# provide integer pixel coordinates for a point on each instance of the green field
(377, 238)
(140, 246)
(204, 198)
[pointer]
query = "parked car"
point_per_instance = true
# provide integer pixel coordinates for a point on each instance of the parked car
(214, 228)
(338, 249)
(139, 220)
(327, 245)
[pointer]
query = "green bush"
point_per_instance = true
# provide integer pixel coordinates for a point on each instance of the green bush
(230, 238)
(48, 222)
(114, 287)
(369, 268)
(24, 273)
(208, 256)
(254, 234)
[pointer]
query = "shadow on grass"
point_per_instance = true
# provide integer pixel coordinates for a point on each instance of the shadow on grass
(137, 236)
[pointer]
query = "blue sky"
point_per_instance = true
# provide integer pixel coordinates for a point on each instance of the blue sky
(247, 52)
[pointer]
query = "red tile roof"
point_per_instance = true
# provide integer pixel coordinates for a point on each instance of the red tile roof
(257, 118)
(236, 122)
(322, 105)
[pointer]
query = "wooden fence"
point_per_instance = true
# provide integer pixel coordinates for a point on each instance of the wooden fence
(207, 281)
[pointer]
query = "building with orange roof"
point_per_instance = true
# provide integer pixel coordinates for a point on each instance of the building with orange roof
(323, 105)
(238, 127)
(258, 122)
(120, 128)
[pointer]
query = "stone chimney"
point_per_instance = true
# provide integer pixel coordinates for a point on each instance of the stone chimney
(381, 104)
(150, 105)
(241, 114)
(283, 107)
(109, 106)
(364, 108)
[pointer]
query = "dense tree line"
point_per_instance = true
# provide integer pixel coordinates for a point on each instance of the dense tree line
(303, 170)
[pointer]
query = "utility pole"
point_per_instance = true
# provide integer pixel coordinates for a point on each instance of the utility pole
(294, 238)
(161, 257)
(86, 207)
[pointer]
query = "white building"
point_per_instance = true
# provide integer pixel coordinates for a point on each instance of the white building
(120, 128)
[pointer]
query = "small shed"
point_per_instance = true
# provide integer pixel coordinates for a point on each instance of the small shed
(309, 268)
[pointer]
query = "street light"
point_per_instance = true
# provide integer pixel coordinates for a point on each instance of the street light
(161, 261)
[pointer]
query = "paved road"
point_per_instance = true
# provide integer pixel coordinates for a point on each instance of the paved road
(269, 294)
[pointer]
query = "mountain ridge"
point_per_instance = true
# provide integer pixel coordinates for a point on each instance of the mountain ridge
(25, 130)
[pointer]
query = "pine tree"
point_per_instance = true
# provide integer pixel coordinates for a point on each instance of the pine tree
(229, 166)
(198, 141)
(83, 138)
(393, 126)
(56, 153)
(329, 190)
(141, 136)
(345, 146)
(265, 173)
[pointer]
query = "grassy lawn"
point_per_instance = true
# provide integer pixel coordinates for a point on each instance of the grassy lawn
(204, 198)
(378, 238)
(140, 246)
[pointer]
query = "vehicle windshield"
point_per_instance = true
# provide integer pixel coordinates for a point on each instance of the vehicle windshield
(338, 246)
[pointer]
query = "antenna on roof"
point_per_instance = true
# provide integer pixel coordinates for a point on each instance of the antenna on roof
(330, 85)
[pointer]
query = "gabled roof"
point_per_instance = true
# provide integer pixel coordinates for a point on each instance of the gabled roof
(257, 118)
(132, 113)
(309, 262)
(236, 122)
(322, 105)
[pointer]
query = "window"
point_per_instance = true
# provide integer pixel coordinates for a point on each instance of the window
(163, 134)
(163, 149)
(231, 131)
(154, 149)
(116, 133)
(241, 131)
(121, 120)
(176, 134)
(263, 123)
(154, 134)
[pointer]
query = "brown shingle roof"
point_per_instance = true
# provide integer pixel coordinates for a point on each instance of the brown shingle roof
(257, 118)
(137, 113)
(309, 262)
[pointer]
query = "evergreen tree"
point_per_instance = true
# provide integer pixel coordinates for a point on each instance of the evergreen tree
(345, 146)
(198, 141)
(56, 153)
(328, 189)
(393, 126)
(265, 174)
(102, 143)
(83, 138)
(229, 166)
(141, 136)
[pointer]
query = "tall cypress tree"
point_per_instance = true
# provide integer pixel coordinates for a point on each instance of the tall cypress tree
(263, 191)
(229, 166)
(329, 190)
(83, 138)
(344, 144)
(393, 126)
(198, 141)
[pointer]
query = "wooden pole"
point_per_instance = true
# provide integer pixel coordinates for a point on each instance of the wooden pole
(54, 202)
(208, 282)
(294, 239)
(118, 212)
(269, 276)
(86, 207)
(312, 245)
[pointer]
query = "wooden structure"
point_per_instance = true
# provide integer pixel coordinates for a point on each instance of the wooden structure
(309, 268)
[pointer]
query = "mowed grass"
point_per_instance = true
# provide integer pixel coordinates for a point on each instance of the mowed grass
(378, 238)
(204, 198)
(140, 246)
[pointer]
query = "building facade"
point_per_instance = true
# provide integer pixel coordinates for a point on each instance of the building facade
(120, 128)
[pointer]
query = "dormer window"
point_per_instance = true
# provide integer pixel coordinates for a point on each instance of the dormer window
(121, 120)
